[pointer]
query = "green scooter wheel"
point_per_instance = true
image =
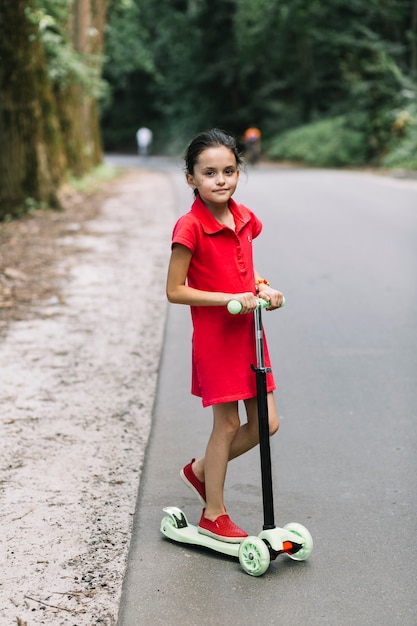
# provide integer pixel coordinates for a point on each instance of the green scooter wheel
(167, 522)
(306, 541)
(254, 556)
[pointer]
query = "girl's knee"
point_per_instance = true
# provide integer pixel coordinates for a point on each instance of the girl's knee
(273, 424)
(230, 427)
(226, 419)
(273, 415)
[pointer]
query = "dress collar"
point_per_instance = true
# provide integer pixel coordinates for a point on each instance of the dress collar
(211, 225)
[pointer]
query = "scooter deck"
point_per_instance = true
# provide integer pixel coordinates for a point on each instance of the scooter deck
(293, 538)
(183, 532)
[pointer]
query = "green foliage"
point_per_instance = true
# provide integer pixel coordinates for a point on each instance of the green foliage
(374, 84)
(129, 70)
(29, 207)
(94, 180)
(65, 65)
(126, 44)
(182, 65)
(402, 152)
(325, 143)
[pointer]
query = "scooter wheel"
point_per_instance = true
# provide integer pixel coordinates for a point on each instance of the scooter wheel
(306, 541)
(254, 556)
(167, 522)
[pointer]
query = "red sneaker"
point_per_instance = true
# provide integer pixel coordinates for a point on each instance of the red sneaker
(191, 480)
(222, 528)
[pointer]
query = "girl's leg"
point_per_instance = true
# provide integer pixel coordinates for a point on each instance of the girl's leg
(226, 425)
(245, 438)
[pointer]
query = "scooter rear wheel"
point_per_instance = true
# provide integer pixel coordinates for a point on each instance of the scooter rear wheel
(254, 556)
(168, 521)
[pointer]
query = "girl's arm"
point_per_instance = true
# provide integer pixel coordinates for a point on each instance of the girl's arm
(178, 292)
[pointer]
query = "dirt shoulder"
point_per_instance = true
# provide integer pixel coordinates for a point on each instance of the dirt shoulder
(82, 313)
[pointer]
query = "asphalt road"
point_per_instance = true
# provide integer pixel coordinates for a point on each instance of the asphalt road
(342, 246)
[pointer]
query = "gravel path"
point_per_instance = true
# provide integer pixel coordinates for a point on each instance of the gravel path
(77, 385)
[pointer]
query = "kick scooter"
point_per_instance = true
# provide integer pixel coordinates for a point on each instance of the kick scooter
(255, 552)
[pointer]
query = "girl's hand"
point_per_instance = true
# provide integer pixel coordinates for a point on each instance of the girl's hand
(273, 296)
(247, 300)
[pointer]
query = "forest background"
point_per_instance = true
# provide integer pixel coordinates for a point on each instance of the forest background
(329, 84)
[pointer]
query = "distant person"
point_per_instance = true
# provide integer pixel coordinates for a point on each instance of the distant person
(144, 138)
(252, 140)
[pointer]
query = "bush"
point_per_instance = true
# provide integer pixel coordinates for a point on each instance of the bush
(402, 152)
(329, 142)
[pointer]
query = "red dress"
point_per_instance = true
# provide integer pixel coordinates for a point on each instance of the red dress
(223, 345)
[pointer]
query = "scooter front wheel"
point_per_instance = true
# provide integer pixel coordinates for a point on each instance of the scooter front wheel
(306, 541)
(254, 556)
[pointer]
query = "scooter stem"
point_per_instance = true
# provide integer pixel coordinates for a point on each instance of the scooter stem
(263, 421)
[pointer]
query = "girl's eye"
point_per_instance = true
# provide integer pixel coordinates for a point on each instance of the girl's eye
(228, 172)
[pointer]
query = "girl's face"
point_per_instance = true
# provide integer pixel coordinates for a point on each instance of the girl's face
(215, 176)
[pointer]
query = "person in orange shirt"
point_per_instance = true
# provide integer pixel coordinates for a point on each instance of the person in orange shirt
(252, 140)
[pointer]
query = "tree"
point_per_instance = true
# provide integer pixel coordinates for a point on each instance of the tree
(50, 66)
(79, 88)
(32, 159)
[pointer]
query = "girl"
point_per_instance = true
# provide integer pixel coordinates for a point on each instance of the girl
(211, 263)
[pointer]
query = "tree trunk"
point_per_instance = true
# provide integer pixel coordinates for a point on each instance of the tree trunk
(32, 161)
(78, 112)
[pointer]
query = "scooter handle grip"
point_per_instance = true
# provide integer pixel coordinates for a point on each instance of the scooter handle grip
(234, 306)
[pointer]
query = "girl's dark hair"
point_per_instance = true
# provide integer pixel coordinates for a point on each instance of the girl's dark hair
(210, 139)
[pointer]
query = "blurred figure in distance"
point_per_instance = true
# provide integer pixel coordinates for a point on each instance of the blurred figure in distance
(252, 141)
(144, 140)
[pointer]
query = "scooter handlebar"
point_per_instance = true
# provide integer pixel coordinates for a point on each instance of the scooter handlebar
(234, 306)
